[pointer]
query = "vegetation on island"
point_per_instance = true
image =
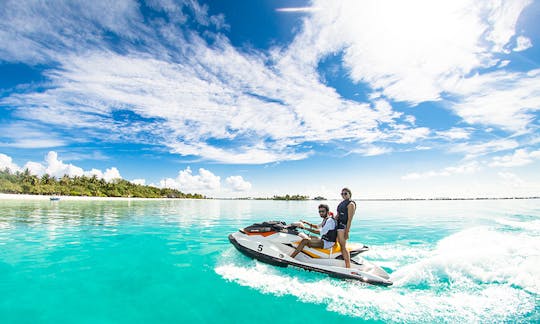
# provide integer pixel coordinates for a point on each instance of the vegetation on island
(290, 197)
(286, 197)
(27, 183)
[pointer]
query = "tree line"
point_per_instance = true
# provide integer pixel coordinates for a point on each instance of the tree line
(290, 197)
(27, 183)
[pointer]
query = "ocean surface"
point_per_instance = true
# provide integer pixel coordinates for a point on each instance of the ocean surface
(169, 261)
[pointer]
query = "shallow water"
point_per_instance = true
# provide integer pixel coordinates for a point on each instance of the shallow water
(170, 261)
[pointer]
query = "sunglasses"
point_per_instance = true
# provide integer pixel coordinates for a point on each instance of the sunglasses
(344, 193)
(322, 211)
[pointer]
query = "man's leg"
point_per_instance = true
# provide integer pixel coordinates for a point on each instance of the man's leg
(316, 243)
(300, 247)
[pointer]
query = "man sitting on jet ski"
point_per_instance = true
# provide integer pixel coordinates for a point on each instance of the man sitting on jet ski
(327, 229)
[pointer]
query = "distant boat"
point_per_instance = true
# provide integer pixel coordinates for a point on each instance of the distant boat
(55, 198)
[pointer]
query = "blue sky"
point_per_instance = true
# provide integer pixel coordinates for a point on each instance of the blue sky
(257, 98)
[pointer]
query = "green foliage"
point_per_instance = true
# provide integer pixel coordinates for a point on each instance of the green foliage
(290, 197)
(27, 183)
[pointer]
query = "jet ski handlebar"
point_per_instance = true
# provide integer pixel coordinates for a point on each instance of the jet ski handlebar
(296, 224)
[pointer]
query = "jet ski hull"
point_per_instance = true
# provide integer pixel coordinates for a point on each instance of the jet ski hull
(257, 255)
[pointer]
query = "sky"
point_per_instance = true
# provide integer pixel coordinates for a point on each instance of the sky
(255, 98)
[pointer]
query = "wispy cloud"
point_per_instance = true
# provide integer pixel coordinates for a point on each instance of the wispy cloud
(511, 179)
(389, 46)
(473, 150)
(193, 95)
(522, 43)
(28, 135)
(507, 100)
(373, 150)
(466, 168)
(198, 95)
(520, 157)
(298, 9)
(377, 39)
(34, 143)
(455, 133)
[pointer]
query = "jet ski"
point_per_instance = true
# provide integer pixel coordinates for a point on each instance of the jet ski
(273, 242)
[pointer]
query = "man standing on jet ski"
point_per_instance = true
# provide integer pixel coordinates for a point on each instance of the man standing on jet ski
(327, 229)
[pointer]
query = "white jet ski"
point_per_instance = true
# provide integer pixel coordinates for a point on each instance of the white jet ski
(273, 242)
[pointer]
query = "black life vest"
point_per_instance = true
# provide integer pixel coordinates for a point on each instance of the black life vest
(331, 235)
(343, 211)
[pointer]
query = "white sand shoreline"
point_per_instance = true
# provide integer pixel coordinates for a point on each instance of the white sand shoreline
(4, 196)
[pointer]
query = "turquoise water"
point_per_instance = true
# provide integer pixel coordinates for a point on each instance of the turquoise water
(170, 261)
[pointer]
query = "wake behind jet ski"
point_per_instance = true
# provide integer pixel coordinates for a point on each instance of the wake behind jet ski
(273, 242)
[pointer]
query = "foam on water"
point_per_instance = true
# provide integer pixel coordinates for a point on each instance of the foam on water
(532, 226)
(479, 255)
(478, 274)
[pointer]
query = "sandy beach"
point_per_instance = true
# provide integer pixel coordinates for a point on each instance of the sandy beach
(4, 196)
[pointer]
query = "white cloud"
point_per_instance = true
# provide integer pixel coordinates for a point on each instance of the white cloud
(141, 182)
(57, 168)
(502, 18)
(34, 143)
(261, 107)
(7, 162)
(504, 63)
(411, 135)
(522, 43)
(205, 182)
(502, 99)
(415, 50)
(474, 150)
(241, 101)
(94, 172)
(111, 174)
(34, 31)
(298, 9)
(186, 181)
(455, 133)
(520, 157)
(466, 168)
(237, 183)
(188, 95)
(410, 50)
(35, 168)
(511, 179)
(256, 154)
(372, 150)
(26, 135)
